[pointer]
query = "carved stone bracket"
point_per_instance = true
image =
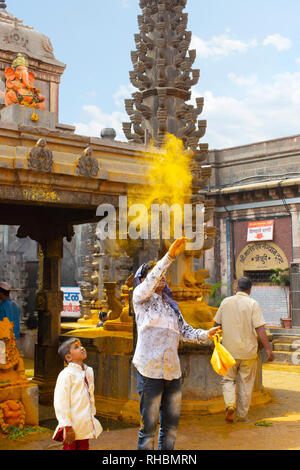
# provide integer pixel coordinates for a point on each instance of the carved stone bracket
(88, 166)
(43, 232)
(131, 137)
(40, 157)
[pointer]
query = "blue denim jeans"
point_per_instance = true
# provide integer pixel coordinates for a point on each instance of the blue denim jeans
(160, 402)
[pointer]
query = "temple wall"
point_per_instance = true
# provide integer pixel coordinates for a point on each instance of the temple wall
(270, 158)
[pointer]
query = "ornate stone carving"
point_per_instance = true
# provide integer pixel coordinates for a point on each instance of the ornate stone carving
(47, 46)
(16, 37)
(87, 165)
(40, 157)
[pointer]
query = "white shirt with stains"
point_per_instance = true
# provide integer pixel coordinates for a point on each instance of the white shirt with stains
(159, 329)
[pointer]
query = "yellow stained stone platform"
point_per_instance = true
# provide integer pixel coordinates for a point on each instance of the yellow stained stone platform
(128, 411)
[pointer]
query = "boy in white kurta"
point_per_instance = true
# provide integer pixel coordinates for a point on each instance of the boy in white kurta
(74, 401)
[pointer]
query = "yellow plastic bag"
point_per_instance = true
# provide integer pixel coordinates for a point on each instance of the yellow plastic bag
(221, 359)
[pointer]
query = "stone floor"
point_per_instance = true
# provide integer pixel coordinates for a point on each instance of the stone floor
(279, 427)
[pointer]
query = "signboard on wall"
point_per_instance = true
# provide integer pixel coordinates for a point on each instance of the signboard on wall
(259, 256)
(260, 231)
(274, 302)
(71, 305)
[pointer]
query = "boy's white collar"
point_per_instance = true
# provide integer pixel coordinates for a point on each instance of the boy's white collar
(77, 366)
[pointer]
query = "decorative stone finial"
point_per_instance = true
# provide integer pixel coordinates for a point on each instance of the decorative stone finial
(108, 133)
(2, 4)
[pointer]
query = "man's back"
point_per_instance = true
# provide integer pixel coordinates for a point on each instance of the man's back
(9, 309)
(239, 316)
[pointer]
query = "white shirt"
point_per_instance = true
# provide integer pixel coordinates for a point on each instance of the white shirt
(159, 329)
(74, 401)
(239, 316)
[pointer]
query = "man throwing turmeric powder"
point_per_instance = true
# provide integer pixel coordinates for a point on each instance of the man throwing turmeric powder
(160, 325)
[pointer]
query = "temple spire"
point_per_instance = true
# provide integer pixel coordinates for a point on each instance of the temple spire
(163, 75)
(2, 4)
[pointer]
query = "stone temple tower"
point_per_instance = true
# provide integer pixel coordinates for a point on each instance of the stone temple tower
(163, 74)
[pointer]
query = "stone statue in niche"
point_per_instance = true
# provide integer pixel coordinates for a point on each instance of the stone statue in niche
(20, 87)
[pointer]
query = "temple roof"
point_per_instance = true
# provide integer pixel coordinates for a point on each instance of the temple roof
(17, 37)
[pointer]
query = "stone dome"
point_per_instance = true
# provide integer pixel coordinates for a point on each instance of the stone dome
(15, 37)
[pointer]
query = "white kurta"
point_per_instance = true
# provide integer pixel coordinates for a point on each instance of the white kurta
(74, 402)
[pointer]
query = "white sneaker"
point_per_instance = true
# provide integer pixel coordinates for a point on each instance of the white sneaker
(243, 420)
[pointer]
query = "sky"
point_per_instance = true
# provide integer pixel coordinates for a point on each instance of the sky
(248, 53)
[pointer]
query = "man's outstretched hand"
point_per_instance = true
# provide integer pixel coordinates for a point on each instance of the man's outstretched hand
(216, 330)
(177, 247)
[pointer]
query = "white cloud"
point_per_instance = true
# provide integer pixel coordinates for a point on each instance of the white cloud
(278, 41)
(96, 120)
(243, 81)
(225, 44)
(220, 46)
(122, 93)
(266, 112)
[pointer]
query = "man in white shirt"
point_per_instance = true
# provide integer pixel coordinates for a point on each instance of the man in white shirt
(241, 320)
(160, 325)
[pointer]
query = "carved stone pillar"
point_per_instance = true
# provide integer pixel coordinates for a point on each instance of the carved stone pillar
(49, 304)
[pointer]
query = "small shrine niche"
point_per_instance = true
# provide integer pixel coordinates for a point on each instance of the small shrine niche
(37, 50)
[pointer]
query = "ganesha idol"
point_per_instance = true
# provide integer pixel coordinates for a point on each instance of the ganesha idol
(20, 87)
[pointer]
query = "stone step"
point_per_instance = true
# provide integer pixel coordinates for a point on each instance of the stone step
(285, 339)
(284, 331)
(287, 357)
(283, 347)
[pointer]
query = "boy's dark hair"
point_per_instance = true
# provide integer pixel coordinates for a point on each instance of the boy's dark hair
(64, 348)
(147, 267)
(244, 284)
